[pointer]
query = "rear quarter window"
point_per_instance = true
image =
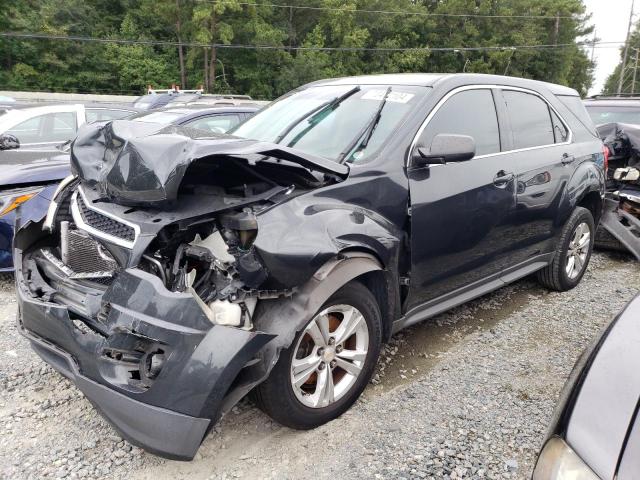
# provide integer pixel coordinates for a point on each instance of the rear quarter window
(576, 107)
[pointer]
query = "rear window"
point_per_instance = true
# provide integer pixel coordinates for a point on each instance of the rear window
(616, 113)
(533, 129)
(576, 107)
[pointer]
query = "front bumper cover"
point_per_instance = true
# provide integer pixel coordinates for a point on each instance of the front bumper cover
(204, 363)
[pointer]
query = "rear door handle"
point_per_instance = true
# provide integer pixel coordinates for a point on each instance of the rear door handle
(567, 159)
(502, 178)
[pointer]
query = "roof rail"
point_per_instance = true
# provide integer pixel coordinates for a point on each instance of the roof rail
(615, 95)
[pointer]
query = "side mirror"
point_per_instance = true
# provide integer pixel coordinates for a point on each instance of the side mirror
(9, 142)
(445, 148)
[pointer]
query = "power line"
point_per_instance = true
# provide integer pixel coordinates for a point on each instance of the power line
(45, 36)
(390, 12)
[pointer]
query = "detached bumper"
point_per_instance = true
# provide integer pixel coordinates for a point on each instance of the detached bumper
(624, 227)
(102, 341)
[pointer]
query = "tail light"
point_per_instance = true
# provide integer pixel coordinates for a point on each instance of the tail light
(605, 152)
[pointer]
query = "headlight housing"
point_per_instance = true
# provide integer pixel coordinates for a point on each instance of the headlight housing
(12, 199)
(558, 461)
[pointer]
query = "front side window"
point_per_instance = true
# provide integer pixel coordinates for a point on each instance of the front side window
(530, 119)
(470, 112)
(164, 118)
(103, 114)
(29, 131)
(216, 123)
(344, 123)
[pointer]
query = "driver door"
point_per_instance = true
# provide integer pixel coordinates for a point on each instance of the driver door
(460, 212)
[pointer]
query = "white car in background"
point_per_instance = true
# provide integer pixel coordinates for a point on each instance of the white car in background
(51, 125)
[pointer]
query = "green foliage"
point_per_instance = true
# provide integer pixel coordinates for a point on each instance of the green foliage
(612, 83)
(267, 73)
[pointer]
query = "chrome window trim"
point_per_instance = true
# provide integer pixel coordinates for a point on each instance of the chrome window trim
(77, 218)
(450, 94)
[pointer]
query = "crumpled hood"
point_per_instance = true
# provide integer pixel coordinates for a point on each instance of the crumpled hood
(140, 163)
(610, 131)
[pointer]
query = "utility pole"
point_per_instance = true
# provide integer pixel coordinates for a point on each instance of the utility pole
(635, 70)
(593, 46)
(626, 50)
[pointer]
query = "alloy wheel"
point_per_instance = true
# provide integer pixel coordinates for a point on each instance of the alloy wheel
(578, 250)
(329, 356)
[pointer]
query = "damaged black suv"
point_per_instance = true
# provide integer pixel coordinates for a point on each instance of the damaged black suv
(177, 271)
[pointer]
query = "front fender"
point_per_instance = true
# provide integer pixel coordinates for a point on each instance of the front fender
(283, 318)
(295, 239)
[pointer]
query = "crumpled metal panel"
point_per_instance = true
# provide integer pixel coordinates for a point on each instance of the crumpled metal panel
(140, 163)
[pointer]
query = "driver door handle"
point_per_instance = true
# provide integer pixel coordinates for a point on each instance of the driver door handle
(502, 178)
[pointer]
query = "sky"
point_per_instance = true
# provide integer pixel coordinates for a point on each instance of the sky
(610, 18)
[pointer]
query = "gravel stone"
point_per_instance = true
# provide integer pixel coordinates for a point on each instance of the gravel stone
(467, 394)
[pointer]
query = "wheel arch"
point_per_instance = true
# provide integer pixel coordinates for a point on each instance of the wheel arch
(285, 317)
(585, 189)
(592, 201)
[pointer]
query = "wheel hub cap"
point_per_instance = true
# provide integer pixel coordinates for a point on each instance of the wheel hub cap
(578, 250)
(329, 356)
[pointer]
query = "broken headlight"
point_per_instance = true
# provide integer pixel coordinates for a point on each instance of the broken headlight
(12, 199)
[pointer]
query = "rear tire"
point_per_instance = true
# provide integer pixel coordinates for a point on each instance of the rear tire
(308, 386)
(572, 253)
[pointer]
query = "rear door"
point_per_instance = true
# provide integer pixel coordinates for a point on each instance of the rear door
(541, 159)
(460, 211)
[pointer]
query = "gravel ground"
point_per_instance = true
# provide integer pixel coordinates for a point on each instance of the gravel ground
(468, 394)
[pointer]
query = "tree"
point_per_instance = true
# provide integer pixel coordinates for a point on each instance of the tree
(196, 32)
(628, 86)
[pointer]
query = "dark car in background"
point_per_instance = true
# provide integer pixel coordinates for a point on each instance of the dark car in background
(165, 98)
(595, 434)
(26, 189)
(213, 119)
(618, 123)
(193, 268)
(613, 109)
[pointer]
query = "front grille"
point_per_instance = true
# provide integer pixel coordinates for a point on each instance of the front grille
(105, 224)
(86, 256)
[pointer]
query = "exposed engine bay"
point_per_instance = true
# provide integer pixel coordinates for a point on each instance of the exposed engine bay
(198, 238)
(620, 224)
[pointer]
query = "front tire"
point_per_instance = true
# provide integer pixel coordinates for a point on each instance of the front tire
(572, 254)
(329, 363)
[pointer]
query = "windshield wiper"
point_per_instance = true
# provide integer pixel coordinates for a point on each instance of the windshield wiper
(331, 104)
(367, 131)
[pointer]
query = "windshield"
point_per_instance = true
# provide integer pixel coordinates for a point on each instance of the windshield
(619, 114)
(341, 123)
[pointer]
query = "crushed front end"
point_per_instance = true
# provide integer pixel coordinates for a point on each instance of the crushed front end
(620, 222)
(147, 306)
